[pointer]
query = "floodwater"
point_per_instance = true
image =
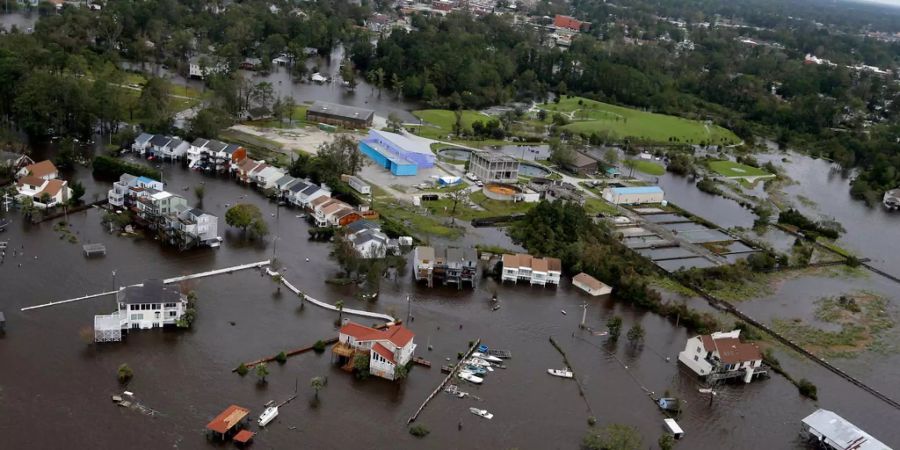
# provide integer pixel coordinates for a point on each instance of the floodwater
(23, 21)
(53, 378)
(683, 192)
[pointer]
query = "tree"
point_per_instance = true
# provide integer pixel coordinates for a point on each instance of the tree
(561, 154)
(635, 334)
(262, 371)
(247, 217)
(200, 191)
(400, 372)
(281, 357)
(153, 106)
(77, 191)
(242, 369)
(457, 196)
(361, 365)
(457, 122)
(124, 373)
(613, 437)
(614, 325)
(348, 75)
(666, 441)
(317, 383)
(208, 122)
(262, 93)
(394, 123)
(379, 80)
(340, 307)
(611, 156)
(346, 256)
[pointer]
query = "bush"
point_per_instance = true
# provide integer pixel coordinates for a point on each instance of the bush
(319, 346)
(281, 358)
(109, 168)
(419, 431)
(124, 373)
(807, 389)
(666, 442)
(242, 369)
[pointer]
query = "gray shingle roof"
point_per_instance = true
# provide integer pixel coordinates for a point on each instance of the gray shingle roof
(348, 112)
(160, 140)
(152, 291)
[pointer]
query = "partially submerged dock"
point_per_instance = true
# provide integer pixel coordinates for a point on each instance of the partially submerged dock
(443, 383)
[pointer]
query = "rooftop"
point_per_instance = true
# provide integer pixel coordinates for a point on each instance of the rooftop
(840, 433)
(637, 190)
(589, 281)
(493, 156)
(41, 169)
(227, 419)
(731, 350)
(349, 112)
(413, 145)
(152, 291)
(397, 334)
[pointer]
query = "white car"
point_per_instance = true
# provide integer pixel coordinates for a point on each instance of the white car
(471, 176)
(479, 183)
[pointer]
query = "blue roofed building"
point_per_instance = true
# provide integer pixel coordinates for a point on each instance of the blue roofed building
(634, 195)
(397, 153)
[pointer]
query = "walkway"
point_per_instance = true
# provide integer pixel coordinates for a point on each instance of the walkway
(355, 312)
(166, 281)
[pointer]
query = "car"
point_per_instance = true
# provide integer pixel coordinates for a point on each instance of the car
(479, 183)
(471, 176)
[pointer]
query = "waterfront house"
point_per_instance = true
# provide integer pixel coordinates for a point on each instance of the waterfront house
(43, 193)
(228, 423)
(333, 212)
(635, 195)
(373, 244)
(830, 431)
(153, 206)
(451, 265)
(304, 197)
(590, 285)
(540, 271)
(387, 349)
(267, 178)
(722, 355)
(173, 150)
(245, 168)
(44, 170)
(891, 199)
(148, 305)
(13, 162)
(158, 145)
(127, 188)
(141, 143)
(192, 227)
(339, 115)
(360, 226)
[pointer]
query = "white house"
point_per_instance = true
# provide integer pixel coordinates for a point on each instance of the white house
(150, 305)
(200, 69)
(590, 285)
(194, 226)
(45, 170)
(302, 194)
(721, 355)
(540, 271)
(174, 149)
(43, 193)
(141, 143)
(153, 206)
(634, 195)
(357, 184)
(159, 145)
(267, 177)
(372, 243)
(387, 349)
(126, 189)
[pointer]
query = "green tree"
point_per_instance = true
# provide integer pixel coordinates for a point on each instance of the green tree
(635, 334)
(400, 372)
(340, 307)
(248, 218)
(153, 106)
(613, 437)
(317, 383)
(281, 357)
(262, 371)
(614, 325)
(124, 373)
(208, 122)
(394, 123)
(666, 441)
(348, 75)
(242, 369)
(77, 191)
(611, 156)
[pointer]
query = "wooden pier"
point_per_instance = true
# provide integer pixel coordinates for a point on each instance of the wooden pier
(443, 383)
(422, 361)
(166, 281)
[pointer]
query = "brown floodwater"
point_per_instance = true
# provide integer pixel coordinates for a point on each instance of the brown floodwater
(55, 389)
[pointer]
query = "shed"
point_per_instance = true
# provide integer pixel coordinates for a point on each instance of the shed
(673, 428)
(244, 437)
(590, 284)
(834, 432)
(228, 422)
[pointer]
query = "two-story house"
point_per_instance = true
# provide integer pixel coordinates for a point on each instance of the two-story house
(192, 227)
(722, 355)
(387, 349)
(149, 305)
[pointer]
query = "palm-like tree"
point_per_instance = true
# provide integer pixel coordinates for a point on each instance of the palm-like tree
(317, 383)
(340, 307)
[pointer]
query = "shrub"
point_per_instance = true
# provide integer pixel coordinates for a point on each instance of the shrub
(281, 358)
(242, 369)
(666, 442)
(807, 389)
(124, 373)
(419, 431)
(319, 346)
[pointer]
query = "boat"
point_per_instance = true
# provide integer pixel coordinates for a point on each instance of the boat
(270, 413)
(470, 377)
(480, 363)
(476, 370)
(487, 358)
(563, 311)
(562, 373)
(496, 307)
(481, 413)
(505, 354)
(706, 391)
(483, 348)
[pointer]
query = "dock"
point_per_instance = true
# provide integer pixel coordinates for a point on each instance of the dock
(443, 383)
(421, 361)
(505, 354)
(91, 250)
(166, 281)
(353, 312)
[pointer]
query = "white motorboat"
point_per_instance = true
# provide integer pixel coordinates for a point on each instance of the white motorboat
(470, 377)
(562, 373)
(480, 363)
(481, 413)
(268, 415)
(487, 358)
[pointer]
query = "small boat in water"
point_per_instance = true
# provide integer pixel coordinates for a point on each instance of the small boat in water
(563, 311)
(562, 373)
(481, 413)
(470, 377)
(487, 358)
(477, 370)
(270, 413)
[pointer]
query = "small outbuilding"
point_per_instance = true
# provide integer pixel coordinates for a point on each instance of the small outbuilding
(634, 195)
(228, 423)
(590, 285)
(832, 431)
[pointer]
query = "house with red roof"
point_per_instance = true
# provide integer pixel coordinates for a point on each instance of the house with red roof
(388, 349)
(722, 355)
(570, 23)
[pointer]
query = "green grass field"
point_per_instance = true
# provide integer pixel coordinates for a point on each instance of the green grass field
(439, 122)
(733, 169)
(592, 116)
(648, 167)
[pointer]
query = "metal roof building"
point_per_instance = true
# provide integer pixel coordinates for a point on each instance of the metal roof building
(835, 432)
(340, 115)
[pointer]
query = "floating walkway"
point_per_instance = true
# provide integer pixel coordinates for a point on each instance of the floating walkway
(440, 387)
(166, 281)
(355, 312)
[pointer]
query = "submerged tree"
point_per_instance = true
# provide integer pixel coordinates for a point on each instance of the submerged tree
(262, 371)
(124, 373)
(317, 383)
(248, 218)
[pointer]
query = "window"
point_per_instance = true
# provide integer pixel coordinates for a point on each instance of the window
(699, 350)
(172, 313)
(170, 305)
(696, 358)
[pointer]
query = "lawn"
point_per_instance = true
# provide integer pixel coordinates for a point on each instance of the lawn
(419, 224)
(594, 206)
(591, 116)
(732, 169)
(490, 208)
(648, 167)
(439, 124)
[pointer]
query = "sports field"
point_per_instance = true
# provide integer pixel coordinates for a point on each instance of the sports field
(732, 169)
(648, 167)
(591, 116)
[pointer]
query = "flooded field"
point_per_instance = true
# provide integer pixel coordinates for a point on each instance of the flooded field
(53, 376)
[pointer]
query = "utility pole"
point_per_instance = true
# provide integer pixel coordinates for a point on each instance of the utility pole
(583, 313)
(275, 241)
(408, 309)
